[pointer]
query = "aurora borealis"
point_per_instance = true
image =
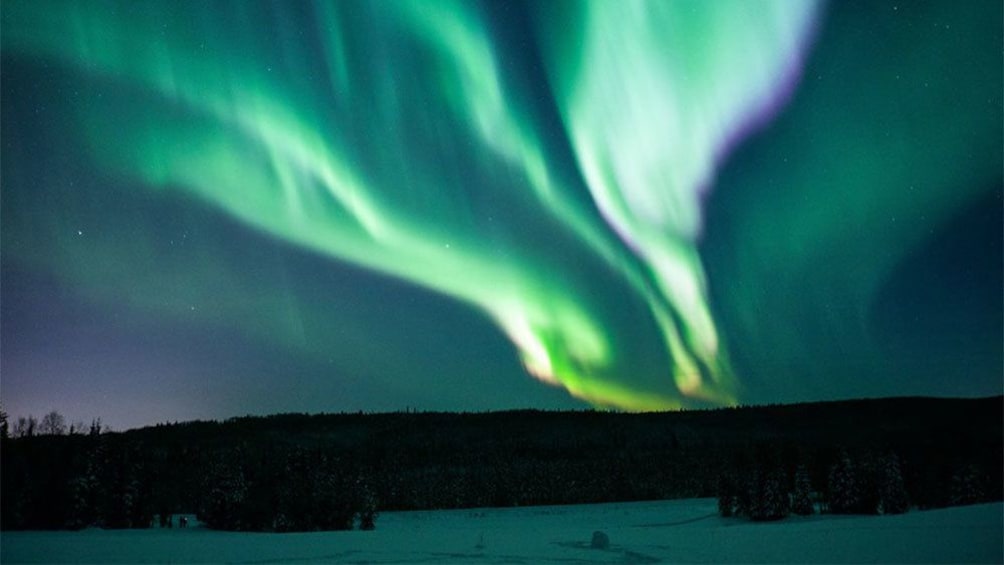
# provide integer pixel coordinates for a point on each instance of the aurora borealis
(227, 207)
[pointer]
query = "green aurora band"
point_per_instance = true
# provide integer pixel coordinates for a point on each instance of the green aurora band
(403, 138)
(354, 160)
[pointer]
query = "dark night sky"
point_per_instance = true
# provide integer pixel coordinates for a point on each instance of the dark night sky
(212, 209)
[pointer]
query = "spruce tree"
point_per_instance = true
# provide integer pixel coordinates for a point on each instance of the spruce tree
(744, 489)
(85, 489)
(774, 503)
(367, 507)
(224, 492)
(726, 494)
(844, 497)
(868, 477)
(801, 498)
(893, 499)
(754, 495)
(967, 486)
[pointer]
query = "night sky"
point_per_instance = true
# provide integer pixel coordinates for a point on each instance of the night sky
(218, 208)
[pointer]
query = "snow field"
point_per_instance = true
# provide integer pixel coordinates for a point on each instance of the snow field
(679, 531)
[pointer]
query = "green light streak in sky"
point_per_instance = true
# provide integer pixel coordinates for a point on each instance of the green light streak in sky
(386, 137)
(659, 90)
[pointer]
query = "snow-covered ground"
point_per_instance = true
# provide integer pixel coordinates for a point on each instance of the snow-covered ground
(647, 532)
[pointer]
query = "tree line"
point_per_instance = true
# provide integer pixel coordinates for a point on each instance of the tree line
(52, 424)
(59, 480)
(299, 472)
(761, 488)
